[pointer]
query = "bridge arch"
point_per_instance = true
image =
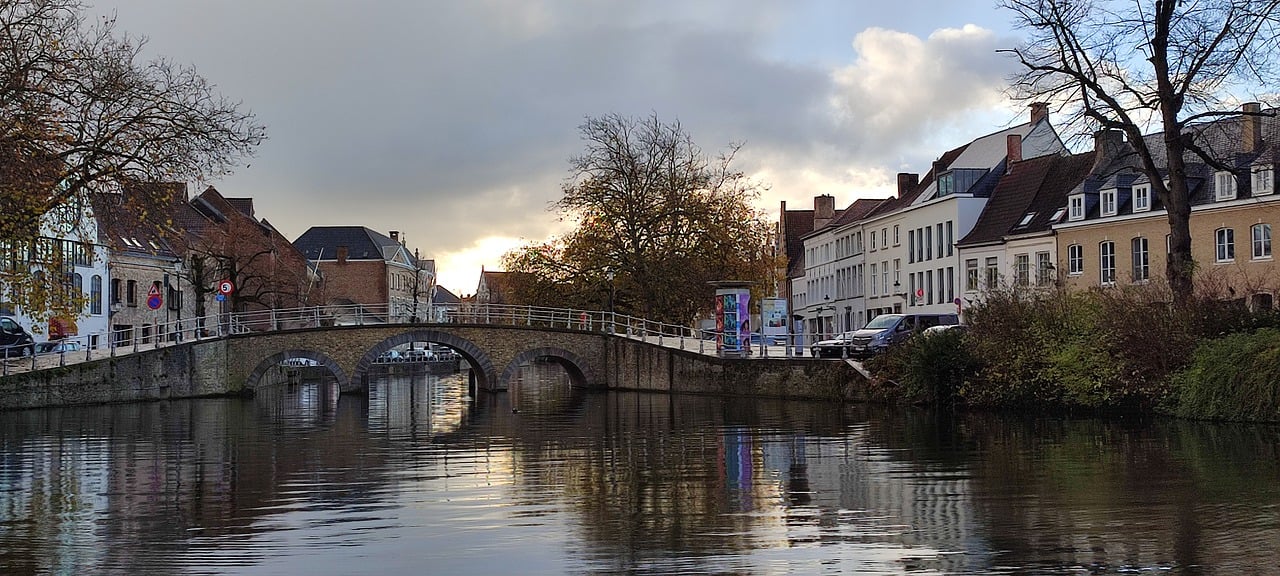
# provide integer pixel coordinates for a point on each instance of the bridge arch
(274, 360)
(479, 361)
(580, 374)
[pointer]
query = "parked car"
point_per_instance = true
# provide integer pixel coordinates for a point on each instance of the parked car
(390, 357)
(57, 347)
(416, 355)
(768, 339)
(886, 330)
(14, 339)
(837, 347)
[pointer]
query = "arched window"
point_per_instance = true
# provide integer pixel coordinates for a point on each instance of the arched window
(95, 294)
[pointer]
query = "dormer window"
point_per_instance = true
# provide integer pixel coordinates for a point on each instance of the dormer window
(1142, 198)
(1263, 179)
(1224, 186)
(1076, 205)
(1108, 198)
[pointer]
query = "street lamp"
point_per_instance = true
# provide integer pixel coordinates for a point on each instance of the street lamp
(612, 317)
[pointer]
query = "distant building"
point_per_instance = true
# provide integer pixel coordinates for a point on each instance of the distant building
(362, 267)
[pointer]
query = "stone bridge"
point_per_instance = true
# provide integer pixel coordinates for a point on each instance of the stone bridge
(241, 363)
(494, 352)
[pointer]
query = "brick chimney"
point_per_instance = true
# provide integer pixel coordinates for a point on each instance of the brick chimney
(1250, 128)
(824, 210)
(342, 254)
(1013, 151)
(907, 182)
(1107, 146)
(1039, 111)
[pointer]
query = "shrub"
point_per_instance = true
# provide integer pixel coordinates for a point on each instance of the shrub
(1235, 377)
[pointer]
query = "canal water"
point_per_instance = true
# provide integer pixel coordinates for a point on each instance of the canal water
(416, 478)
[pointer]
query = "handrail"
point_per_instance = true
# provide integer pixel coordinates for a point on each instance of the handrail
(161, 334)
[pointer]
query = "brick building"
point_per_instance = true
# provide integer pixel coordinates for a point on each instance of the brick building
(366, 268)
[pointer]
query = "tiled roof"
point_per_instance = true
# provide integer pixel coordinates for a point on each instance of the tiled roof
(122, 230)
(1036, 187)
(322, 242)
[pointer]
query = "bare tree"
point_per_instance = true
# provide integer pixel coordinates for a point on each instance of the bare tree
(85, 113)
(1170, 64)
(656, 219)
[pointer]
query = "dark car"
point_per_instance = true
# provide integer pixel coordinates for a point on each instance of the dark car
(837, 347)
(57, 347)
(886, 330)
(14, 339)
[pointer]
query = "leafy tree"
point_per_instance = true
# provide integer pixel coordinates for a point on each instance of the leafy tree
(81, 112)
(1124, 64)
(655, 220)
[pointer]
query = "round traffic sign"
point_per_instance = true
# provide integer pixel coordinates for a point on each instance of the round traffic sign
(919, 292)
(154, 302)
(226, 287)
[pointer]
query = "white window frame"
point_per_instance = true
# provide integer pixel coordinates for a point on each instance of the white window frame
(1260, 239)
(1142, 198)
(1075, 205)
(897, 238)
(1224, 245)
(1107, 262)
(1044, 269)
(1109, 198)
(1140, 253)
(1263, 178)
(971, 275)
(1022, 269)
(1075, 260)
(1224, 186)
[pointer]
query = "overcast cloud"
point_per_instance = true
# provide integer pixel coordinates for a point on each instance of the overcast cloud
(452, 121)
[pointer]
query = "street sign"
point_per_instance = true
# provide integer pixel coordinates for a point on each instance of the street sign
(919, 292)
(154, 299)
(220, 297)
(225, 287)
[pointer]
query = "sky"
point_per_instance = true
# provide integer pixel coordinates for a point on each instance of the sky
(453, 121)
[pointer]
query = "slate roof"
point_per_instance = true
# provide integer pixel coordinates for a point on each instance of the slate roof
(322, 242)
(1037, 186)
(444, 296)
(1221, 138)
(894, 204)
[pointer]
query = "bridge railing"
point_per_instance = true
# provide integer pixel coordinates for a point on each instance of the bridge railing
(175, 331)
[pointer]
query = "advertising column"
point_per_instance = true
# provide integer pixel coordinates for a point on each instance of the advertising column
(733, 318)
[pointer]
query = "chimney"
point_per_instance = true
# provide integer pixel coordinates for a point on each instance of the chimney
(907, 182)
(1107, 146)
(938, 168)
(824, 210)
(1013, 151)
(395, 235)
(1039, 111)
(342, 254)
(1250, 128)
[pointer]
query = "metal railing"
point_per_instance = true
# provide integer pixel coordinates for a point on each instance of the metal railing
(160, 334)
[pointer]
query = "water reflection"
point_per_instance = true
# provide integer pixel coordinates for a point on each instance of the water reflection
(546, 479)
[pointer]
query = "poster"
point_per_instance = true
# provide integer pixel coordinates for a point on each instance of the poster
(733, 320)
(773, 314)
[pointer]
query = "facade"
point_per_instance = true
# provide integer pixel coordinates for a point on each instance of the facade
(900, 255)
(145, 254)
(66, 249)
(1115, 230)
(364, 267)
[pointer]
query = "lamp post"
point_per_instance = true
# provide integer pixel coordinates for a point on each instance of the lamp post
(612, 317)
(897, 291)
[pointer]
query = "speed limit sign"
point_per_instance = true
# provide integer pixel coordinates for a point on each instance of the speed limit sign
(225, 287)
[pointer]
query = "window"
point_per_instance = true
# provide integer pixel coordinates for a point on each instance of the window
(115, 290)
(993, 273)
(175, 298)
(1107, 262)
(897, 271)
(1261, 234)
(1225, 244)
(940, 241)
(951, 238)
(971, 275)
(1142, 198)
(873, 241)
(874, 285)
(884, 237)
(928, 242)
(1224, 186)
(1022, 269)
(897, 241)
(1263, 179)
(1044, 269)
(95, 294)
(1076, 205)
(1141, 261)
(884, 277)
(131, 293)
(1109, 202)
(911, 245)
(1075, 259)
(1057, 215)
(1026, 219)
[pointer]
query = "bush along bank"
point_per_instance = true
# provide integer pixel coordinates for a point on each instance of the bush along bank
(1114, 350)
